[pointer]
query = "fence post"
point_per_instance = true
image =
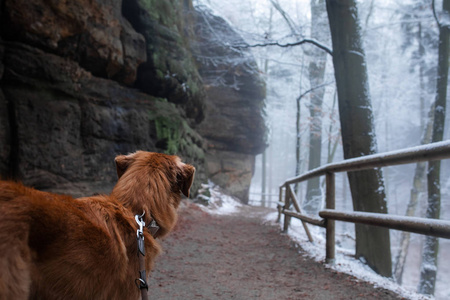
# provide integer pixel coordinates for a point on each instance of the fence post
(280, 199)
(330, 204)
(287, 204)
(297, 208)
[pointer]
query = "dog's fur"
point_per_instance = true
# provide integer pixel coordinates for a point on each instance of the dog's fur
(57, 247)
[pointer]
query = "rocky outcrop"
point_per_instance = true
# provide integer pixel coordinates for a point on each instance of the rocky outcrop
(92, 33)
(170, 71)
(83, 81)
(70, 124)
(234, 127)
(4, 123)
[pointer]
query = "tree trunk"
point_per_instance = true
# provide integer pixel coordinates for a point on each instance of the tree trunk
(297, 140)
(431, 246)
(332, 145)
(269, 172)
(358, 132)
(264, 188)
(316, 77)
(419, 174)
(263, 180)
(418, 187)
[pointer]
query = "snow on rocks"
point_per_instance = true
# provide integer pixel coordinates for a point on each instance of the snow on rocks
(216, 201)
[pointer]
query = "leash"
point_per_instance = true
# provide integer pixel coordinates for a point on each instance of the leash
(141, 282)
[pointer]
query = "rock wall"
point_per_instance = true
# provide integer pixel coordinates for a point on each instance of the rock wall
(169, 71)
(92, 33)
(69, 125)
(82, 81)
(4, 122)
(234, 91)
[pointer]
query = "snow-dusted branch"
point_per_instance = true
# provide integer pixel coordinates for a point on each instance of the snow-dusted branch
(439, 23)
(304, 41)
(434, 13)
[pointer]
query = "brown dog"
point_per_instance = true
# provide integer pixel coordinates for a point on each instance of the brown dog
(57, 247)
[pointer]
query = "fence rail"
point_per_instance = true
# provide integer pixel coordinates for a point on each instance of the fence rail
(438, 228)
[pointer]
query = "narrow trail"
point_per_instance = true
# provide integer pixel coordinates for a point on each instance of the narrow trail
(240, 256)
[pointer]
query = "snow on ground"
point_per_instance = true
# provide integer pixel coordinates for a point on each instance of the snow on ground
(216, 201)
(344, 262)
(219, 203)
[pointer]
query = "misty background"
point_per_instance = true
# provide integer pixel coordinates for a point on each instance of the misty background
(400, 39)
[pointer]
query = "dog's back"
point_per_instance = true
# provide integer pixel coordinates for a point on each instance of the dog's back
(15, 256)
(56, 247)
(48, 238)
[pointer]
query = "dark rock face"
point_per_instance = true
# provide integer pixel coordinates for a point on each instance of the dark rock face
(83, 81)
(70, 124)
(92, 33)
(170, 71)
(4, 123)
(234, 127)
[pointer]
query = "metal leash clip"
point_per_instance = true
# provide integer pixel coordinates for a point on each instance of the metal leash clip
(140, 232)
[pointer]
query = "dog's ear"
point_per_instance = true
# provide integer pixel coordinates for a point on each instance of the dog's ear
(122, 163)
(186, 178)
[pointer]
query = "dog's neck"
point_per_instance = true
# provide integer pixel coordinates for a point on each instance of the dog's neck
(136, 208)
(131, 198)
(155, 200)
(151, 223)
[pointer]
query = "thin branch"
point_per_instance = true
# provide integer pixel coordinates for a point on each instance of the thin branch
(313, 88)
(310, 41)
(434, 13)
(286, 17)
(440, 25)
(369, 14)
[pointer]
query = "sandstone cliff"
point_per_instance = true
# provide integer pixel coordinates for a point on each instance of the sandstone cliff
(234, 92)
(82, 81)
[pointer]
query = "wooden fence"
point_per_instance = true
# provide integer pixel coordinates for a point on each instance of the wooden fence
(327, 217)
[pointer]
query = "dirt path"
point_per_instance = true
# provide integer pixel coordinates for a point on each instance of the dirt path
(240, 257)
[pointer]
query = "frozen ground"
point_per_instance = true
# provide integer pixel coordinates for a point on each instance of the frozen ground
(226, 253)
(223, 205)
(345, 262)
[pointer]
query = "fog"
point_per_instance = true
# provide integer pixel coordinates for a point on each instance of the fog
(400, 41)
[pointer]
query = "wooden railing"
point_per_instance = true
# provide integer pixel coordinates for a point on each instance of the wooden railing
(438, 228)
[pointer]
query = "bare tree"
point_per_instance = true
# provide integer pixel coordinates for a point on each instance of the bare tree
(431, 246)
(316, 77)
(358, 132)
(418, 186)
(264, 155)
(413, 28)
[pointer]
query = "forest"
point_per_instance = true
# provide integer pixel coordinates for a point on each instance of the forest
(251, 93)
(396, 72)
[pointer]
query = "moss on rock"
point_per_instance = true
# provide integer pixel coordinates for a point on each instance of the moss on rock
(170, 71)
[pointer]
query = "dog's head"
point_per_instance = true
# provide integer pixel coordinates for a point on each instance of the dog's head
(153, 182)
